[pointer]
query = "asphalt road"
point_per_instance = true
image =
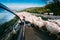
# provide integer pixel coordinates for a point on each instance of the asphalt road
(32, 33)
(51, 16)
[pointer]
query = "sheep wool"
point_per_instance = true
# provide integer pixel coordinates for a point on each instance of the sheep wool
(52, 27)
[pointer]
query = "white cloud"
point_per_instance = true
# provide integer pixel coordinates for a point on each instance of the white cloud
(49, 1)
(22, 6)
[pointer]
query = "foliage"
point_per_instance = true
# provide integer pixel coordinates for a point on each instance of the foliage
(54, 7)
(37, 10)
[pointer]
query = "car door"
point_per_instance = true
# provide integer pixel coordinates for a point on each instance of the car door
(8, 22)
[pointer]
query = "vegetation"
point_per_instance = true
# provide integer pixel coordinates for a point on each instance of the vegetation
(53, 6)
(7, 25)
(37, 10)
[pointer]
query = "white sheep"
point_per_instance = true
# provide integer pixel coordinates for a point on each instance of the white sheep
(58, 22)
(52, 27)
(39, 24)
(55, 21)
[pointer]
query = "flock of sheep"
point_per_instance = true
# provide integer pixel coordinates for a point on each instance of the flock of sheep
(52, 26)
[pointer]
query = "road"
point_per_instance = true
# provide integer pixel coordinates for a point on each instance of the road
(32, 33)
(51, 16)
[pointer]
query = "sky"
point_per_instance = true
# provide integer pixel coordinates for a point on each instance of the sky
(22, 4)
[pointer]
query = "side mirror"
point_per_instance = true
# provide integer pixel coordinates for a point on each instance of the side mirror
(13, 31)
(22, 23)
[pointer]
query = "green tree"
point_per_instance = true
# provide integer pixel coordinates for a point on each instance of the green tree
(54, 7)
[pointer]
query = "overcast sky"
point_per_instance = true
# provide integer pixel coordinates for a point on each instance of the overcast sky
(21, 4)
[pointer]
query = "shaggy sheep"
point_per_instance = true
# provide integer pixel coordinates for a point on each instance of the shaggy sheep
(55, 21)
(52, 27)
(58, 22)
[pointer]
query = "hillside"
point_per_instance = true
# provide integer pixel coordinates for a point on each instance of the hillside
(37, 10)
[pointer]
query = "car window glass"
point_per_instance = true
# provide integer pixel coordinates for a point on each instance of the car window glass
(5, 16)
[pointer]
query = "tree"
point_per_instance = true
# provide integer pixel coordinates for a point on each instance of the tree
(54, 7)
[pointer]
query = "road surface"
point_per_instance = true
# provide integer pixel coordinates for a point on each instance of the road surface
(32, 33)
